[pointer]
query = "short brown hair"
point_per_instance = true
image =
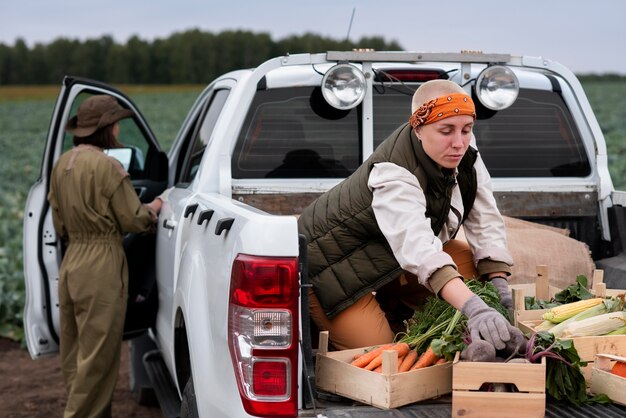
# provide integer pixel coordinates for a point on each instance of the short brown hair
(433, 89)
(102, 138)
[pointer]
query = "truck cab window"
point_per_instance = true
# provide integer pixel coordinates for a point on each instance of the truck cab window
(284, 137)
(202, 135)
(535, 137)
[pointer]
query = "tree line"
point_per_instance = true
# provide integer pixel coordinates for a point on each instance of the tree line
(190, 57)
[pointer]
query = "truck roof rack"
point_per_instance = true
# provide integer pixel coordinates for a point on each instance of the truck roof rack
(402, 56)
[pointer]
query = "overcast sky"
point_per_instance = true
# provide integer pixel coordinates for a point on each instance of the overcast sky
(586, 36)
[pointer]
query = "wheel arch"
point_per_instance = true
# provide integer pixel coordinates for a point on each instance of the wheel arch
(181, 351)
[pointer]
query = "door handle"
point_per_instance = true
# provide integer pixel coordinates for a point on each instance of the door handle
(169, 224)
(223, 225)
(205, 215)
(191, 210)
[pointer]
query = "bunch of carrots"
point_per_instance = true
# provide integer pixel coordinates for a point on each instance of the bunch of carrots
(408, 359)
(408, 347)
(436, 331)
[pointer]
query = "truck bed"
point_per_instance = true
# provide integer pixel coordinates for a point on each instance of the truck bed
(444, 410)
(328, 405)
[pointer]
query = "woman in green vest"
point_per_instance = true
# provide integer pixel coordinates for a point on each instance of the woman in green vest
(387, 232)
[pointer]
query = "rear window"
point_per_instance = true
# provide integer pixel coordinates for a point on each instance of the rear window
(293, 133)
(536, 137)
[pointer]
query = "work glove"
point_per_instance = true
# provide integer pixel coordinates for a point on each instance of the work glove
(485, 323)
(506, 297)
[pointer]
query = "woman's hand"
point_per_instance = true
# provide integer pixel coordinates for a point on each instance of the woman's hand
(163, 196)
(485, 323)
(506, 296)
(155, 207)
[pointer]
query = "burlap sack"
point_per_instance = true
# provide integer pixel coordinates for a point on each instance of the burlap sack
(533, 244)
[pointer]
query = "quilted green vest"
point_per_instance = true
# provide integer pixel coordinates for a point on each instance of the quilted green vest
(348, 255)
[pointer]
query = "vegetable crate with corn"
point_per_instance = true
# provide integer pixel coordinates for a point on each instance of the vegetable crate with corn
(596, 323)
(534, 299)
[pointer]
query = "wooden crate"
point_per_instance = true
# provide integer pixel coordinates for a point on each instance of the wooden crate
(468, 377)
(603, 381)
(541, 289)
(388, 389)
(587, 347)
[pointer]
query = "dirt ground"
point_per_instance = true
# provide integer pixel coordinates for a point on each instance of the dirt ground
(34, 388)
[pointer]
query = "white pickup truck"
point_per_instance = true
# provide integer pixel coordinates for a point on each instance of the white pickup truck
(221, 283)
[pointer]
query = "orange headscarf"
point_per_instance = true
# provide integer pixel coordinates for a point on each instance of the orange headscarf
(442, 107)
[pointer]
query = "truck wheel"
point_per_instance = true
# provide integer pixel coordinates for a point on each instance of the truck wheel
(188, 407)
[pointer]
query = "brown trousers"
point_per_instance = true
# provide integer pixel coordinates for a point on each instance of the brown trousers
(92, 298)
(367, 321)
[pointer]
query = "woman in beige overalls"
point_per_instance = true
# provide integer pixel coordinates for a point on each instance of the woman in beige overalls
(93, 203)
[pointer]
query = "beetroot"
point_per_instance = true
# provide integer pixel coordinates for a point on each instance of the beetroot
(479, 350)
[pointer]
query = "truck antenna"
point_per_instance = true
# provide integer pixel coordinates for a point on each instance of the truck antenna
(350, 25)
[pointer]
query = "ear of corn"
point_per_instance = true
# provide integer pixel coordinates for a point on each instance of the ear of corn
(596, 325)
(545, 326)
(562, 312)
(619, 331)
(599, 309)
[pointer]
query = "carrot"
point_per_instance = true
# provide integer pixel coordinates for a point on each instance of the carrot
(427, 359)
(379, 369)
(419, 356)
(408, 361)
(619, 369)
(401, 358)
(364, 359)
(441, 360)
(357, 355)
(401, 348)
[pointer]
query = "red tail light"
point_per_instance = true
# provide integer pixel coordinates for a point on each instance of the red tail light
(263, 333)
(270, 377)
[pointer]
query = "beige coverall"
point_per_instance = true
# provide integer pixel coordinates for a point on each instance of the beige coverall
(93, 203)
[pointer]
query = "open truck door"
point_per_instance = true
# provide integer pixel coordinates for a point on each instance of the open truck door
(43, 250)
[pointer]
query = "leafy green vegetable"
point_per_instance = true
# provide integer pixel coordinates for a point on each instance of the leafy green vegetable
(564, 380)
(428, 323)
(574, 292)
(488, 293)
(451, 340)
(530, 302)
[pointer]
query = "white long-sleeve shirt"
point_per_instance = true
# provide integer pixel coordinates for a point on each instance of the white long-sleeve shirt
(399, 206)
